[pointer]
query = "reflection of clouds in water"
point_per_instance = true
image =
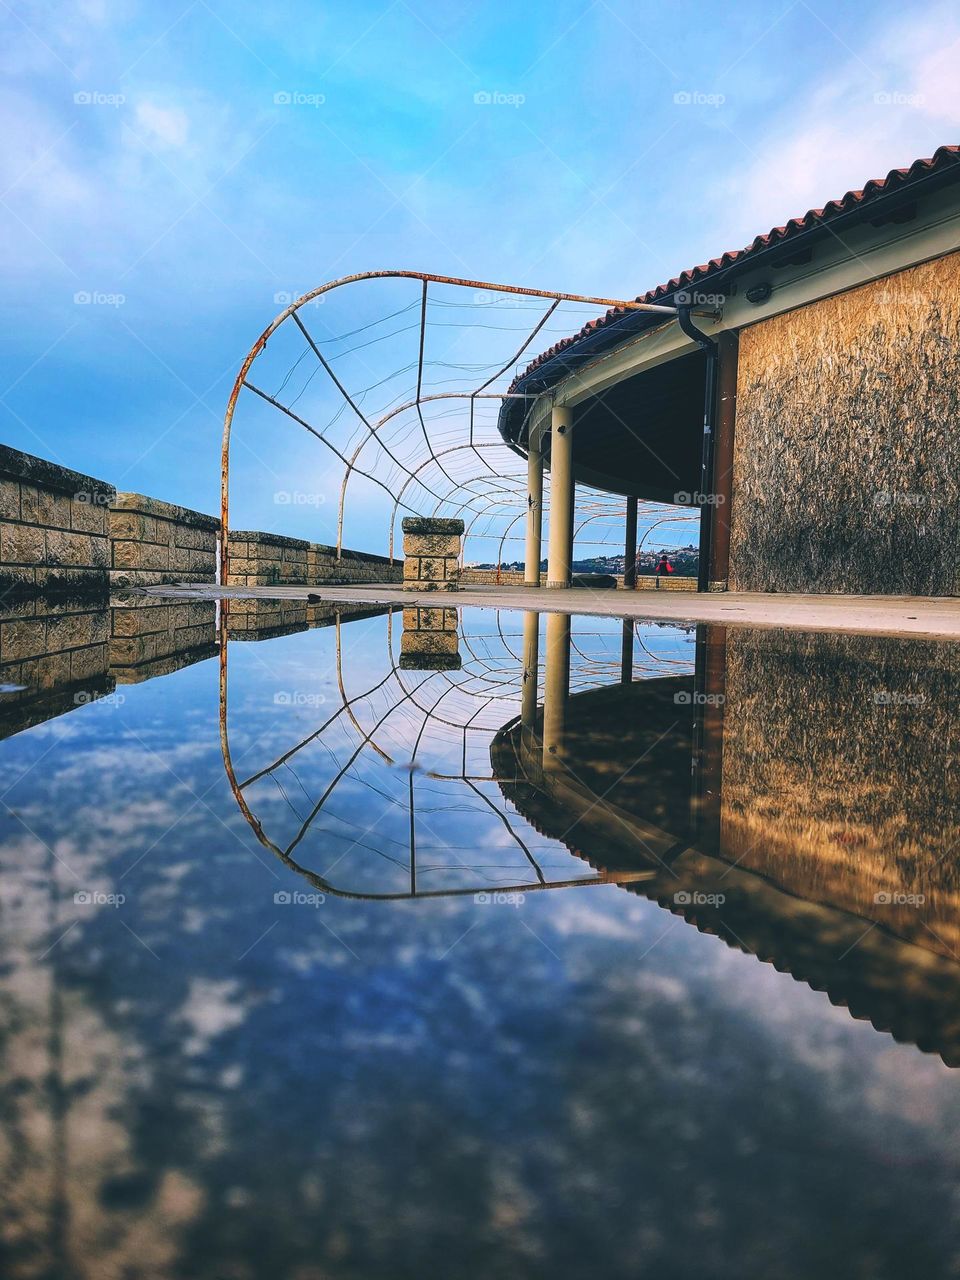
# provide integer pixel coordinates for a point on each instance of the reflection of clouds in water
(582, 1085)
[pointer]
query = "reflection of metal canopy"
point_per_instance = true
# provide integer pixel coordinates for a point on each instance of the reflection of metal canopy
(394, 431)
(389, 723)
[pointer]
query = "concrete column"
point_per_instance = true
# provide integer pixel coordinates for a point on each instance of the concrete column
(531, 576)
(531, 659)
(630, 547)
(561, 498)
(556, 690)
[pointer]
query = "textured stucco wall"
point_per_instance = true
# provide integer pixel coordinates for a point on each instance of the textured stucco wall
(847, 449)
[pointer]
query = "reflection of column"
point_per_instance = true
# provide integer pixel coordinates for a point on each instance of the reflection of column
(556, 689)
(708, 713)
(626, 652)
(430, 640)
(561, 498)
(531, 574)
(630, 547)
(531, 659)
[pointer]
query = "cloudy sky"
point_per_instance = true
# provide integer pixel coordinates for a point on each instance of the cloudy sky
(182, 165)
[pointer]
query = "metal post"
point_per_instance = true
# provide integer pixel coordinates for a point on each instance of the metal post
(561, 498)
(630, 547)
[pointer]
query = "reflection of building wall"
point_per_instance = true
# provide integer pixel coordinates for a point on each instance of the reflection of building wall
(839, 773)
(154, 542)
(151, 637)
(846, 459)
(53, 528)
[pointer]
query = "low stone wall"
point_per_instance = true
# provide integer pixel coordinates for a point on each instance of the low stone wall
(53, 528)
(514, 577)
(431, 554)
(257, 559)
(323, 567)
(154, 542)
(151, 637)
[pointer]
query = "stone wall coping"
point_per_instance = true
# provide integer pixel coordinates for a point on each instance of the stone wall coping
(50, 475)
(145, 506)
(345, 554)
(269, 539)
(427, 525)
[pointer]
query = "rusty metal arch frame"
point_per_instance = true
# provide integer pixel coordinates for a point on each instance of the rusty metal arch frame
(426, 278)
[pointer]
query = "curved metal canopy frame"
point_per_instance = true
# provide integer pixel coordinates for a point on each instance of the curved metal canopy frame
(440, 478)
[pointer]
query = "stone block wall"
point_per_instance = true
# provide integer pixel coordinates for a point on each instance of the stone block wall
(151, 637)
(431, 554)
(54, 535)
(266, 559)
(155, 542)
(323, 567)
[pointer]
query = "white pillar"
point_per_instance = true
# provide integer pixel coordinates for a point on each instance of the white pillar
(531, 574)
(560, 554)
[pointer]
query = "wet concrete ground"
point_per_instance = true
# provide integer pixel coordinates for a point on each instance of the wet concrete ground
(930, 617)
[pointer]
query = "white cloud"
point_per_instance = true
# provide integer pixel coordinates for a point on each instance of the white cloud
(168, 126)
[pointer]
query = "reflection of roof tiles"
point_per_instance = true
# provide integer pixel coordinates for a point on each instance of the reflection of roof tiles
(942, 158)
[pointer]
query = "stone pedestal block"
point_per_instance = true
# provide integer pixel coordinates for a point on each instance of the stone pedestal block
(431, 554)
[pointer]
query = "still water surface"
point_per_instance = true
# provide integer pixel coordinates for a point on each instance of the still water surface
(475, 945)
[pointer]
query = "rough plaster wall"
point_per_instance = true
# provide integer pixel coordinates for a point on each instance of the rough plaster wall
(847, 451)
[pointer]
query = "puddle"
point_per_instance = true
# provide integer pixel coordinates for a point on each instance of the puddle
(436, 942)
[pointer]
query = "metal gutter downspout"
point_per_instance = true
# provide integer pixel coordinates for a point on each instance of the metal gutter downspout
(709, 347)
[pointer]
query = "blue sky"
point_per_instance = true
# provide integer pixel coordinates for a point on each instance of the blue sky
(150, 152)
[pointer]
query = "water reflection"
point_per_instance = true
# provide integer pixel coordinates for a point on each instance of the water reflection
(212, 1078)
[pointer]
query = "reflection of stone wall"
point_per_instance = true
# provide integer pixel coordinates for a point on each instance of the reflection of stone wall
(58, 654)
(151, 637)
(431, 554)
(53, 528)
(154, 542)
(262, 619)
(847, 459)
(430, 640)
(840, 776)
